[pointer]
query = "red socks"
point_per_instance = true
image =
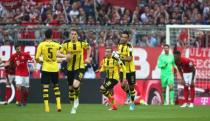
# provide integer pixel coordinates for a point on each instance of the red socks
(25, 96)
(192, 93)
(8, 92)
(18, 95)
(186, 94)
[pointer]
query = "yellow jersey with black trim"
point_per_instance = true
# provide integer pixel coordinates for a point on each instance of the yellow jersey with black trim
(48, 50)
(112, 66)
(76, 49)
(126, 51)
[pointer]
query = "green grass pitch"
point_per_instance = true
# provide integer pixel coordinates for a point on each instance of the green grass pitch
(96, 112)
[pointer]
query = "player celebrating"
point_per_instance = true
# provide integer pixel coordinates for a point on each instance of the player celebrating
(21, 59)
(49, 50)
(75, 66)
(126, 55)
(111, 65)
(166, 64)
(187, 71)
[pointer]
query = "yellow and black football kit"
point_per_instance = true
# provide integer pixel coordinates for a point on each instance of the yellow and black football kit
(111, 67)
(125, 50)
(48, 50)
(75, 65)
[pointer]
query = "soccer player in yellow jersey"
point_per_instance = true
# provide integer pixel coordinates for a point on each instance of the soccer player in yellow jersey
(111, 66)
(49, 50)
(75, 66)
(126, 55)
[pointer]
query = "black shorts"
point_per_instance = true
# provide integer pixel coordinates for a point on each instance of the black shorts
(131, 77)
(110, 83)
(48, 77)
(77, 74)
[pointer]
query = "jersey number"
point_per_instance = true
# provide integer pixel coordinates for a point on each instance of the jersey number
(50, 54)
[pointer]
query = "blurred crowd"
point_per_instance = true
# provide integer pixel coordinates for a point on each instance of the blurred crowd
(149, 12)
(98, 12)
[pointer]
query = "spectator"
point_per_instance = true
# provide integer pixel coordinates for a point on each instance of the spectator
(89, 7)
(74, 12)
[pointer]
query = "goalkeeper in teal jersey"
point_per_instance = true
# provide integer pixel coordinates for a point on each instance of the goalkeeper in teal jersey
(166, 64)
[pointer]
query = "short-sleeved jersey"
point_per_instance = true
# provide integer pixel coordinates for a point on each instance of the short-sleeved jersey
(112, 66)
(21, 63)
(126, 51)
(48, 50)
(185, 64)
(76, 49)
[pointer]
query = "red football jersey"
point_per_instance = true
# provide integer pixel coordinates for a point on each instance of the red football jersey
(21, 63)
(185, 64)
(10, 69)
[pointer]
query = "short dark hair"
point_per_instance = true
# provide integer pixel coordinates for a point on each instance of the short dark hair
(177, 52)
(166, 45)
(17, 45)
(126, 32)
(48, 33)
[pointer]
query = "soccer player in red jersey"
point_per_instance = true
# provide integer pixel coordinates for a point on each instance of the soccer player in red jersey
(10, 75)
(187, 71)
(21, 59)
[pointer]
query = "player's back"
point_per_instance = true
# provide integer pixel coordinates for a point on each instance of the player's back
(48, 49)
